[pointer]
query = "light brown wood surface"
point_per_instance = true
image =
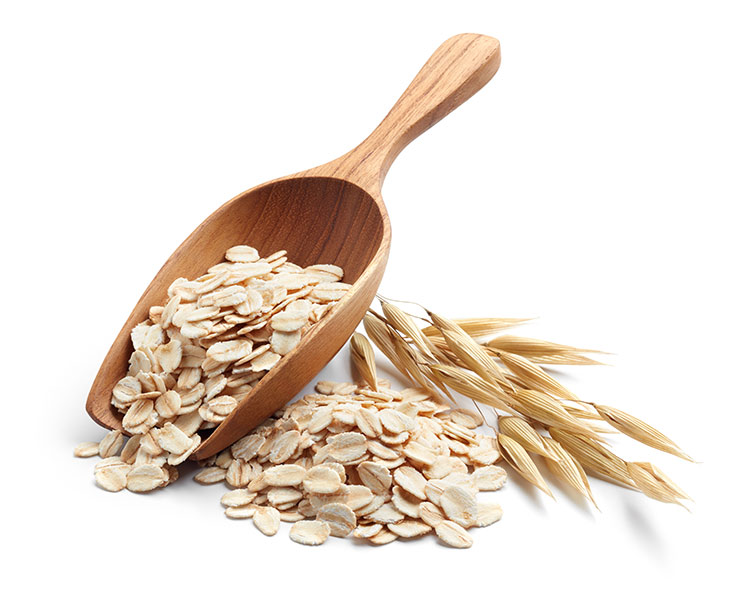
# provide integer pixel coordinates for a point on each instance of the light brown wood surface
(330, 214)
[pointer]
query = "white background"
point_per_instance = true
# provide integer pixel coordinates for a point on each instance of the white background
(590, 184)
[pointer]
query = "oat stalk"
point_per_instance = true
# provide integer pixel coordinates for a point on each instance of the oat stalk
(539, 419)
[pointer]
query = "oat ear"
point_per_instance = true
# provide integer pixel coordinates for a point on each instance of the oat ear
(593, 456)
(650, 485)
(534, 377)
(567, 469)
(525, 435)
(363, 358)
(640, 431)
(472, 386)
(479, 327)
(542, 351)
(402, 322)
(543, 408)
(521, 462)
(472, 355)
(380, 336)
(666, 481)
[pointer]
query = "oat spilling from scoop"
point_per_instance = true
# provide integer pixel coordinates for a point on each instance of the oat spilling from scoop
(347, 461)
(200, 354)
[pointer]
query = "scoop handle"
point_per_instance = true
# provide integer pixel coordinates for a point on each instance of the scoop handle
(460, 67)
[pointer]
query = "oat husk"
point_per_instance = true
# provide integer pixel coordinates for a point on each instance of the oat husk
(479, 328)
(363, 358)
(542, 351)
(640, 431)
(521, 462)
(567, 468)
(524, 434)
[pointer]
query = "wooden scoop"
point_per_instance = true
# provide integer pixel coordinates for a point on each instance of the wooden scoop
(330, 214)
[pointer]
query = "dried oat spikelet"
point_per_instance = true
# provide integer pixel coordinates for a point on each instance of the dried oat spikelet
(581, 413)
(381, 336)
(467, 350)
(521, 462)
(472, 386)
(402, 322)
(594, 457)
(461, 354)
(399, 352)
(411, 362)
(584, 414)
(524, 434)
(565, 467)
(651, 485)
(640, 431)
(664, 480)
(533, 376)
(550, 412)
(426, 351)
(363, 358)
(479, 327)
(428, 373)
(542, 351)
(442, 324)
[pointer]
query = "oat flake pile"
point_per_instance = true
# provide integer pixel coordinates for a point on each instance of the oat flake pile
(377, 465)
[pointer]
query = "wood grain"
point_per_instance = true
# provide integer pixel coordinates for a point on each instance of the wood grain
(456, 71)
(333, 213)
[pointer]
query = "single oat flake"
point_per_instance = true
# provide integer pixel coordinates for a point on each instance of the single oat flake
(312, 532)
(267, 520)
(340, 518)
(453, 535)
(86, 449)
